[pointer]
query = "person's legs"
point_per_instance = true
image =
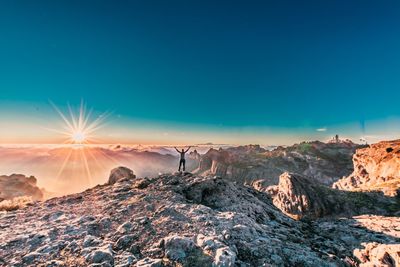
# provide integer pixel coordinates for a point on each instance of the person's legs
(180, 164)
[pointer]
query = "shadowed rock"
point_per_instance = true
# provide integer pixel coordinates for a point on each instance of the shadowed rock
(300, 197)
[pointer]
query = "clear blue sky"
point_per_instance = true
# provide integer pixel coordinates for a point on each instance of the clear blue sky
(288, 64)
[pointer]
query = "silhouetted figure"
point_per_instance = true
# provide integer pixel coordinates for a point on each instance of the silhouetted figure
(337, 138)
(182, 161)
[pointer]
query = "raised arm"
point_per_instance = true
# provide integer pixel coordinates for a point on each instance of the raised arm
(187, 149)
(177, 149)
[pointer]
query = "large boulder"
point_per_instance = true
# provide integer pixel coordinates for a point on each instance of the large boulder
(120, 173)
(299, 197)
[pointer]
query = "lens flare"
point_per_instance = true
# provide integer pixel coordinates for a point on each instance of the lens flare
(79, 130)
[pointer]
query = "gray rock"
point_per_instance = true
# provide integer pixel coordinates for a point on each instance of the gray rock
(37, 239)
(178, 247)
(126, 227)
(105, 223)
(225, 257)
(91, 241)
(149, 262)
(126, 259)
(31, 257)
(101, 255)
(125, 241)
(54, 263)
(103, 264)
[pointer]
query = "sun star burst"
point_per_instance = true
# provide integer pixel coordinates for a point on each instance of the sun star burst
(78, 127)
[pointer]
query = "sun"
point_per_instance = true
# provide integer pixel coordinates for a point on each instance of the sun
(78, 137)
(79, 127)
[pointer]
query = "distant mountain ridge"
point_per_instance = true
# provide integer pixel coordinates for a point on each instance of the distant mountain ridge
(323, 162)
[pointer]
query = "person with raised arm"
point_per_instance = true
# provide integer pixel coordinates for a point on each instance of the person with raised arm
(182, 161)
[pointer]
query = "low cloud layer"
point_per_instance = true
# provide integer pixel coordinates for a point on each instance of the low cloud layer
(69, 169)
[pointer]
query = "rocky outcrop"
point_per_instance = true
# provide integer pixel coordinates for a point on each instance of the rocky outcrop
(375, 168)
(299, 197)
(180, 220)
(120, 173)
(323, 162)
(18, 185)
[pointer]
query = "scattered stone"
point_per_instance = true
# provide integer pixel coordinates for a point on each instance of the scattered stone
(225, 257)
(142, 183)
(126, 227)
(125, 241)
(31, 257)
(125, 259)
(91, 241)
(178, 247)
(101, 255)
(149, 262)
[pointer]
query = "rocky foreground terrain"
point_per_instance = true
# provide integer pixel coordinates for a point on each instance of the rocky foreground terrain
(186, 220)
(376, 167)
(323, 162)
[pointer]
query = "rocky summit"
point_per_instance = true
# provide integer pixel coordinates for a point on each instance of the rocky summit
(187, 220)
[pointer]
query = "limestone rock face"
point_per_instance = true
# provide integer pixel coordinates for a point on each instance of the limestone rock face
(120, 173)
(376, 167)
(18, 185)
